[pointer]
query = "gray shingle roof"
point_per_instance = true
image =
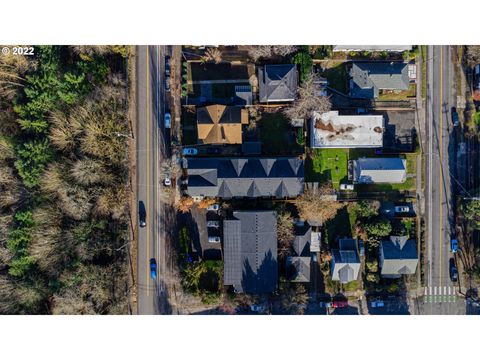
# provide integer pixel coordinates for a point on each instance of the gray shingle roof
(301, 242)
(278, 83)
(367, 78)
(379, 170)
(345, 264)
(298, 268)
(245, 177)
(250, 245)
(398, 256)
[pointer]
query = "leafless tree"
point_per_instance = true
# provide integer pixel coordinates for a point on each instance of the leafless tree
(89, 171)
(316, 206)
(283, 50)
(170, 168)
(212, 55)
(284, 232)
(91, 50)
(267, 51)
(473, 54)
(309, 100)
(112, 201)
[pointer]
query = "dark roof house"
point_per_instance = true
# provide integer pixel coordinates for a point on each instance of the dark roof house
(379, 170)
(250, 247)
(227, 178)
(345, 264)
(398, 256)
(301, 242)
(278, 83)
(368, 78)
(298, 268)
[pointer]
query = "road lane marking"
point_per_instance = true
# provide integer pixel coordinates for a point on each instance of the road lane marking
(435, 291)
(449, 290)
(431, 290)
(426, 291)
(441, 162)
(148, 173)
(445, 290)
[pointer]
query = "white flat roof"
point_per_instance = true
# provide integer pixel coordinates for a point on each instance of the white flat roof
(331, 130)
(393, 48)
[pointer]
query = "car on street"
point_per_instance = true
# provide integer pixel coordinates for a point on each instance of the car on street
(453, 270)
(190, 151)
(142, 214)
(153, 268)
(213, 224)
(213, 150)
(213, 207)
(455, 116)
(346, 186)
(402, 209)
(314, 258)
(167, 65)
(339, 303)
(167, 83)
(377, 304)
(167, 120)
(167, 182)
(214, 239)
(257, 308)
(453, 245)
(361, 248)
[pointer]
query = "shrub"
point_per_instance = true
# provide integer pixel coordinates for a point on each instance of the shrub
(305, 63)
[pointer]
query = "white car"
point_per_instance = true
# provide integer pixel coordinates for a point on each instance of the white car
(214, 239)
(402, 209)
(213, 223)
(167, 182)
(346, 186)
(213, 207)
(167, 120)
(190, 151)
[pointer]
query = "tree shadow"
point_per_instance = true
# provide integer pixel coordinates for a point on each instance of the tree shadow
(262, 280)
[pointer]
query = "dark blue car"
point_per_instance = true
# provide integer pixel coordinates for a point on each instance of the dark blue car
(153, 268)
(453, 245)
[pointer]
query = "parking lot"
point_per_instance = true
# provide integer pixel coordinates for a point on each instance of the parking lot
(205, 249)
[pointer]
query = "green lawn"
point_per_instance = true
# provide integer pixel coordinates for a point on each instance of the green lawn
(337, 77)
(327, 165)
(400, 95)
(277, 136)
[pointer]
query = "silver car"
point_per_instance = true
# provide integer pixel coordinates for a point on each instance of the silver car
(214, 239)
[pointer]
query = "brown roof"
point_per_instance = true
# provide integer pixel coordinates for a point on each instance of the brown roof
(220, 124)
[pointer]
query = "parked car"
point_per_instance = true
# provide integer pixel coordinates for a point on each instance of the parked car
(339, 303)
(361, 248)
(314, 257)
(377, 304)
(402, 209)
(213, 207)
(167, 65)
(167, 182)
(167, 83)
(190, 151)
(167, 119)
(213, 150)
(257, 308)
(346, 187)
(453, 245)
(153, 268)
(453, 271)
(142, 214)
(455, 116)
(214, 239)
(213, 223)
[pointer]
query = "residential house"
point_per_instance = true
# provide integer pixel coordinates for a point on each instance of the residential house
(398, 256)
(331, 130)
(278, 83)
(345, 264)
(368, 78)
(372, 48)
(253, 177)
(220, 124)
(378, 170)
(298, 268)
(250, 251)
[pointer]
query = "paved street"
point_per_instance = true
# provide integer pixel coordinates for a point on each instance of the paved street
(441, 295)
(151, 149)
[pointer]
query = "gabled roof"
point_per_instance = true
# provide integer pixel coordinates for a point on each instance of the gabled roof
(220, 124)
(345, 264)
(301, 242)
(250, 245)
(298, 268)
(278, 83)
(245, 177)
(379, 170)
(367, 78)
(398, 256)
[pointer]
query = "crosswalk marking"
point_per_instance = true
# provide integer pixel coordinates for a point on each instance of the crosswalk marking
(435, 290)
(440, 294)
(449, 290)
(445, 290)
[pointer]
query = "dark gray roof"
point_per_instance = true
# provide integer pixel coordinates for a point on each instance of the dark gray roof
(367, 78)
(301, 242)
(245, 177)
(298, 268)
(379, 170)
(345, 261)
(398, 256)
(277, 83)
(250, 245)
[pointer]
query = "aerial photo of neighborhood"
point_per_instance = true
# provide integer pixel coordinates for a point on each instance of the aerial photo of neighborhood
(240, 179)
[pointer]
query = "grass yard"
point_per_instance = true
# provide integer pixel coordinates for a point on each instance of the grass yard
(337, 77)
(327, 165)
(277, 136)
(400, 95)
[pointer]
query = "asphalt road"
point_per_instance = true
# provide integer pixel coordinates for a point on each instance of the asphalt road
(151, 150)
(441, 294)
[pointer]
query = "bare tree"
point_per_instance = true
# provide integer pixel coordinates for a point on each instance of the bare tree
(317, 206)
(309, 100)
(267, 51)
(170, 167)
(284, 232)
(89, 171)
(212, 55)
(91, 50)
(283, 50)
(473, 54)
